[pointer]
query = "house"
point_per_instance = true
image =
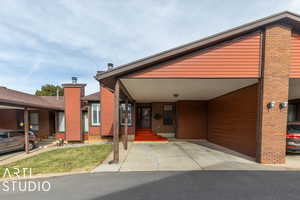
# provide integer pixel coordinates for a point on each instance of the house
(230, 88)
(46, 114)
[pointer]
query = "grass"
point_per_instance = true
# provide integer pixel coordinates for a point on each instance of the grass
(73, 159)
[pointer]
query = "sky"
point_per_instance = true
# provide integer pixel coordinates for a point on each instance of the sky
(48, 42)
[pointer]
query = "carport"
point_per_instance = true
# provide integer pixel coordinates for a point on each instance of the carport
(222, 111)
(213, 93)
(266, 50)
(15, 107)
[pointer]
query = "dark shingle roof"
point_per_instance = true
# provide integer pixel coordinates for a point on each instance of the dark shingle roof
(92, 97)
(17, 98)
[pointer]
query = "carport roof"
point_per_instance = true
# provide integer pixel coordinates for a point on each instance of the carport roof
(108, 77)
(16, 98)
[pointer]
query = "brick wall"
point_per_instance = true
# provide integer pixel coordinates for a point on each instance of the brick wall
(232, 120)
(157, 124)
(274, 87)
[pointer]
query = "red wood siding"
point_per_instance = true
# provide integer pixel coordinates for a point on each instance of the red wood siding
(295, 56)
(73, 113)
(235, 59)
(9, 119)
(191, 119)
(232, 120)
(94, 130)
(107, 114)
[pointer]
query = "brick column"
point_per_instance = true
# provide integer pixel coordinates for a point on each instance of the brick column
(72, 99)
(274, 86)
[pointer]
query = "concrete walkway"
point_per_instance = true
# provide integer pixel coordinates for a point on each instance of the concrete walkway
(181, 156)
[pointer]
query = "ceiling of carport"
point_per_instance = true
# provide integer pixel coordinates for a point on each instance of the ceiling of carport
(165, 90)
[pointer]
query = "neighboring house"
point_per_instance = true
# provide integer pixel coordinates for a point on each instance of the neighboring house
(47, 113)
(42, 111)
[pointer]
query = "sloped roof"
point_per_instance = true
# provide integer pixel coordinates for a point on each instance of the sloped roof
(92, 97)
(286, 17)
(17, 98)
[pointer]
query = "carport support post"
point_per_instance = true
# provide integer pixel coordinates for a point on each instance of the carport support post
(126, 125)
(116, 123)
(26, 129)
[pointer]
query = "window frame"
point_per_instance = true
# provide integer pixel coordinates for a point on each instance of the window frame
(92, 114)
(31, 124)
(163, 115)
(130, 118)
(84, 124)
(64, 122)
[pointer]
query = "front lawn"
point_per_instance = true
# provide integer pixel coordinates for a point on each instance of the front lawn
(72, 159)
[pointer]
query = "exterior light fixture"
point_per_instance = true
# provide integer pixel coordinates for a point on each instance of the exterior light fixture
(283, 105)
(271, 104)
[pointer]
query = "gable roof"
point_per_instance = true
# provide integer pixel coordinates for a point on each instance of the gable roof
(286, 18)
(92, 97)
(16, 98)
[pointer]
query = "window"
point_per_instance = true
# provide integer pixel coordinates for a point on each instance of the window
(292, 112)
(123, 114)
(85, 120)
(3, 135)
(95, 114)
(34, 121)
(61, 122)
(168, 114)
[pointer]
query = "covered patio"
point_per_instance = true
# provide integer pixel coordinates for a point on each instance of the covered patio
(29, 112)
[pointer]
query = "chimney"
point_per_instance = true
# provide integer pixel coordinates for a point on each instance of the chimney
(74, 80)
(110, 66)
(73, 92)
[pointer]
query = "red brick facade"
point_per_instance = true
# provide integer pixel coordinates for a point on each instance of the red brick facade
(274, 87)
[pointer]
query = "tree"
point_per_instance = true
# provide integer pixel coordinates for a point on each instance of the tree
(50, 90)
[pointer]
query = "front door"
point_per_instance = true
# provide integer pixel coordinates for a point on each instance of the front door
(143, 117)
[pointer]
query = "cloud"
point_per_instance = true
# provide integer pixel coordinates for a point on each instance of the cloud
(50, 41)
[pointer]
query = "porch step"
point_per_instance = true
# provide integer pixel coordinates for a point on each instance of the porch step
(148, 135)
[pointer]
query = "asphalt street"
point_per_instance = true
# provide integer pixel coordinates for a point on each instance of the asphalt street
(210, 185)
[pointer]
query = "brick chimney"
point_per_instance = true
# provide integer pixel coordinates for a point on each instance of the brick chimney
(72, 98)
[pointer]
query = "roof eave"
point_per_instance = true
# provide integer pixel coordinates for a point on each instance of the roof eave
(252, 26)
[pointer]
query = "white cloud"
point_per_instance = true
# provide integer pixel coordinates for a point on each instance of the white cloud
(54, 40)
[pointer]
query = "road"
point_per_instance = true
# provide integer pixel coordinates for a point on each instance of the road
(210, 185)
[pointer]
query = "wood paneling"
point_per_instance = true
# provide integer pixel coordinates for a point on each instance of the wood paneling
(232, 120)
(9, 119)
(234, 59)
(106, 111)
(73, 113)
(191, 119)
(295, 56)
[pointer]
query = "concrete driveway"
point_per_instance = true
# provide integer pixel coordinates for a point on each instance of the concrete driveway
(182, 156)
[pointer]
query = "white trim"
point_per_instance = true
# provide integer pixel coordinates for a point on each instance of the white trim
(97, 123)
